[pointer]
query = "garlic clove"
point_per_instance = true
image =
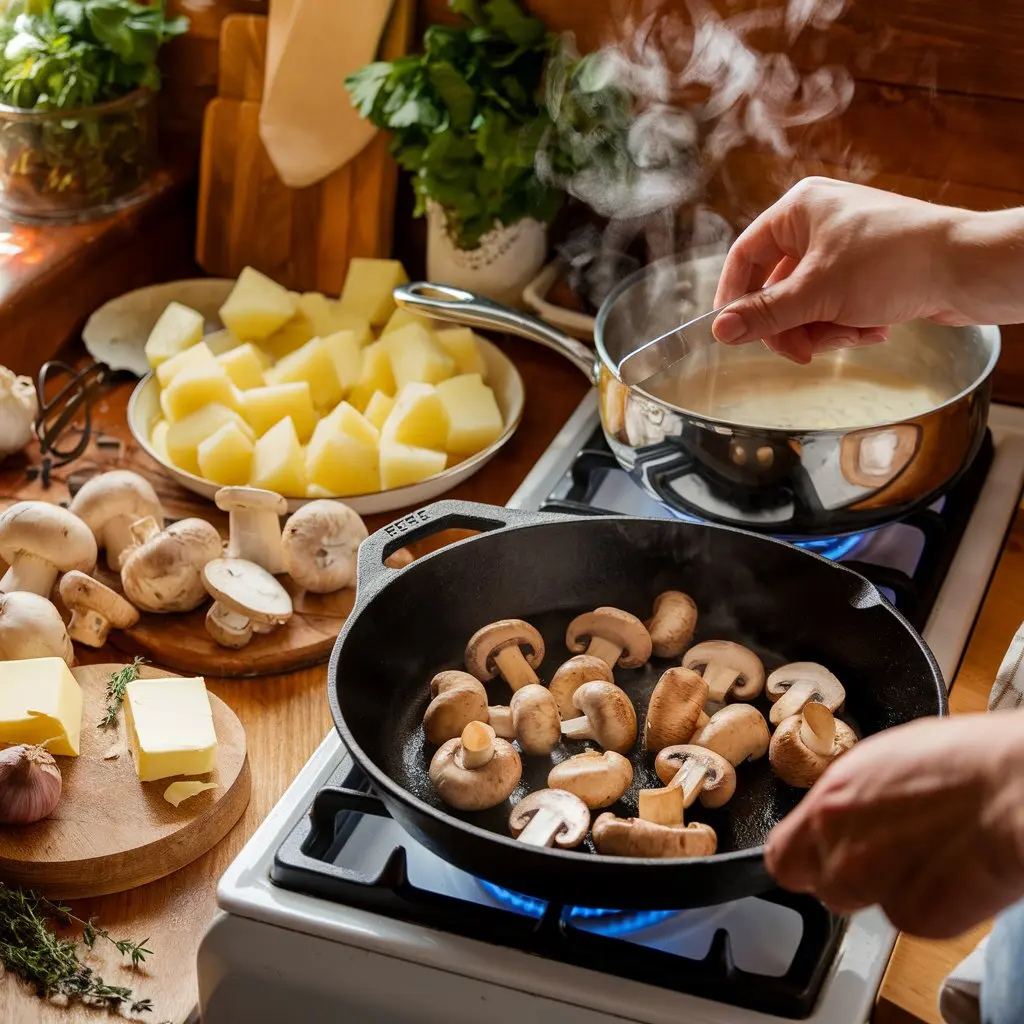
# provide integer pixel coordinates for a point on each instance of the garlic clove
(30, 784)
(18, 410)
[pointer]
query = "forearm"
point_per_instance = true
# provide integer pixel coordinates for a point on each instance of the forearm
(986, 266)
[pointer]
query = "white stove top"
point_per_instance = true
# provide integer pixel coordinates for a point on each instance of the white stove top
(277, 955)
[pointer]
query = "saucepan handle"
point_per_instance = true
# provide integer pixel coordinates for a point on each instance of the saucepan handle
(461, 307)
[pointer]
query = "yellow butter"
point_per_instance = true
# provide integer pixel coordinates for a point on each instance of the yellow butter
(178, 792)
(40, 700)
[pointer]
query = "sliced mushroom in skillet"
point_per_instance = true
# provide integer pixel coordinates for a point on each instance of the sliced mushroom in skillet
(497, 649)
(728, 668)
(792, 686)
(550, 817)
(697, 771)
(804, 745)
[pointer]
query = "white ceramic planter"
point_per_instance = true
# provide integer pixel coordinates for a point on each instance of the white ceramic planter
(506, 261)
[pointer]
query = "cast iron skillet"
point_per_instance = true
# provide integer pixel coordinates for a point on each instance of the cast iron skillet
(785, 603)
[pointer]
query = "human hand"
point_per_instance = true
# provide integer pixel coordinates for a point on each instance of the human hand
(926, 819)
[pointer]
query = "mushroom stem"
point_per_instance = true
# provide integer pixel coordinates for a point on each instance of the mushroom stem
(500, 719)
(228, 628)
(662, 806)
(29, 574)
(543, 827)
(88, 627)
(144, 530)
(514, 668)
(255, 536)
(720, 680)
(690, 779)
(477, 745)
(607, 650)
(118, 539)
(578, 729)
(818, 731)
(793, 700)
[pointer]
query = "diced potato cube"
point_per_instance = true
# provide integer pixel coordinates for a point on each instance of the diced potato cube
(418, 418)
(221, 341)
(313, 364)
(244, 366)
(316, 491)
(401, 464)
(192, 389)
(376, 373)
(474, 419)
(257, 306)
(177, 329)
(225, 457)
(343, 465)
(417, 357)
(328, 317)
(368, 288)
(194, 358)
(461, 344)
(263, 407)
(378, 408)
(185, 436)
(402, 318)
(278, 461)
(347, 355)
(289, 338)
(345, 419)
(158, 439)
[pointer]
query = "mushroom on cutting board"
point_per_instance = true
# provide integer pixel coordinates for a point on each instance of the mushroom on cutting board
(727, 668)
(31, 627)
(550, 817)
(95, 609)
(805, 744)
(39, 540)
(738, 732)
(320, 544)
(697, 771)
(614, 636)
(572, 674)
(792, 686)
(634, 837)
(458, 699)
(535, 719)
(672, 624)
(246, 600)
(675, 708)
(109, 503)
(254, 525)
(497, 649)
(476, 770)
(597, 778)
(606, 715)
(163, 573)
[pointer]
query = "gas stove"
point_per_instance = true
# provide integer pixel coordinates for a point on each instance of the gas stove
(332, 911)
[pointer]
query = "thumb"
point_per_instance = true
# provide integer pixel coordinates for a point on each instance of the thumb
(776, 308)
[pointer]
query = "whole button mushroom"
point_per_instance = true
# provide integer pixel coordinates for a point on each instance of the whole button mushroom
(458, 699)
(738, 732)
(635, 837)
(535, 719)
(38, 541)
(572, 674)
(31, 627)
(672, 624)
(497, 649)
(477, 770)
(550, 817)
(792, 686)
(675, 708)
(164, 572)
(246, 600)
(728, 668)
(697, 771)
(109, 503)
(614, 636)
(607, 716)
(95, 609)
(598, 779)
(254, 525)
(320, 545)
(805, 744)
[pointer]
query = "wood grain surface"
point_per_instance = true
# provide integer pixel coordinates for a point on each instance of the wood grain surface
(111, 832)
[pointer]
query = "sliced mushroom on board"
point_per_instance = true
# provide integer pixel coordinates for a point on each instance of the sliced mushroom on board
(792, 686)
(95, 609)
(246, 600)
(475, 771)
(254, 525)
(728, 668)
(38, 541)
(614, 636)
(109, 503)
(535, 719)
(458, 699)
(738, 732)
(572, 674)
(672, 623)
(805, 744)
(320, 545)
(597, 778)
(498, 649)
(606, 715)
(675, 708)
(550, 817)
(697, 771)
(634, 837)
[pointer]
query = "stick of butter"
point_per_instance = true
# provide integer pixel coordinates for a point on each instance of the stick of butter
(170, 727)
(40, 700)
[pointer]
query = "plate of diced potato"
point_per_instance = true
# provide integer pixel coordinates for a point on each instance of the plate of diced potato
(315, 397)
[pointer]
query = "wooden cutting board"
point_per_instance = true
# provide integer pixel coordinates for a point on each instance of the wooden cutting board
(111, 832)
(303, 238)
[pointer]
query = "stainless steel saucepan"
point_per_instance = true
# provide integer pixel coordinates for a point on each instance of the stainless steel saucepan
(737, 435)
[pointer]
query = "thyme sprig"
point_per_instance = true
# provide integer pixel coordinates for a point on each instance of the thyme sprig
(116, 686)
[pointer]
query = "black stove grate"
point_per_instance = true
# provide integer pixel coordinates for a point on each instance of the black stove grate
(305, 863)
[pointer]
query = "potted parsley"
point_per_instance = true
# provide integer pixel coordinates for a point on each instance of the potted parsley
(77, 111)
(467, 117)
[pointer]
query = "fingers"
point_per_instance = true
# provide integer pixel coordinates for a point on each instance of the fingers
(752, 258)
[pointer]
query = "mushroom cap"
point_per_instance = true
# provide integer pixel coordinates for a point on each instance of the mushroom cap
(635, 837)
(597, 778)
(615, 625)
(738, 732)
(320, 545)
(49, 532)
(572, 674)
(458, 699)
(31, 627)
(573, 812)
(535, 719)
(610, 713)
(82, 593)
(247, 588)
(255, 499)
(736, 657)
(675, 706)
(117, 493)
(817, 684)
(475, 789)
(672, 623)
(720, 782)
(794, 762)
(487, 641)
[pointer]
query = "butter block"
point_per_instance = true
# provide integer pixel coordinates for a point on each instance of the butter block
(170, 727)
(40, 700)
(177, 329)
(257, 306)
(368, 288)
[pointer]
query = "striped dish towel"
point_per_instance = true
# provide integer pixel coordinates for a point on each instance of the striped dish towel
(1008, 689)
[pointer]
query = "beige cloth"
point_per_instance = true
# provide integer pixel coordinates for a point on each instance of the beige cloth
(307, 122)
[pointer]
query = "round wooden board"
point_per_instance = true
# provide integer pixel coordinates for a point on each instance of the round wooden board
(182, 643)
(111, 832)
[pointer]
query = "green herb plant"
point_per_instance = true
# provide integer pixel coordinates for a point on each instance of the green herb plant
(467, 117)
(117, 684)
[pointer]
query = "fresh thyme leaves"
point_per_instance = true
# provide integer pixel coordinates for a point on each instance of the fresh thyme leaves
(116, 686)
(31, 950)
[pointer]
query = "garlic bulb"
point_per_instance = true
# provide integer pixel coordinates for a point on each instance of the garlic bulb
(18, 410)
(30, 785)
